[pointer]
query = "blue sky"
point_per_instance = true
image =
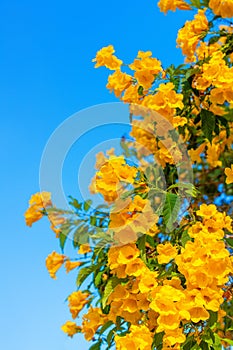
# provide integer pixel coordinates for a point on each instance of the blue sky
(46, 76)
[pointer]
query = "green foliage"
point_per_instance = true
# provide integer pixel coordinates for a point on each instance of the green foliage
(170, 210)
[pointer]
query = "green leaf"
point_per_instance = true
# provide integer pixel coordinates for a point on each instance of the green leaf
(158, 340)
(229, 341)
(111, 284)
(225, 123)
(140, 90)
(96, 346)
(125, 148)
(105, 326)
(214, 39)
(142, 247)
(207, 123)
(229, 242)
(188, 343)
(65, 230)
(87, 204)
(170, 210)
(185, 238)
(84, 273)
(196, 3)
(213, 318)
(80, 236)
(98, 278)
(188, 188)
(93, 221)
(74, 202)
(110, 336)
(204, 345)
(191, 72)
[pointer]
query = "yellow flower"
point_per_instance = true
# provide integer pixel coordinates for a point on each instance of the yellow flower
(127, 254)
(207, 211)
(189, 35)
(139, 338)
(84, 249)
(144, 78)
(172, 337)
(53, 263)
(198, 313)
(70, 328)
(229, 174)
(144, 62)
(222, 8)
(118, 82)
(166, 5)
(70, 265)
(168, 322)
(41, 199)
(92, 320)
(148, 281)
(167, 252)
(105, 58)
(195, 154)
(37, 203)
(77, 300)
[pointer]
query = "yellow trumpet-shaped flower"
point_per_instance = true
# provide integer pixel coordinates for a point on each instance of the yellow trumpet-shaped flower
(53, 263)
(229, 174)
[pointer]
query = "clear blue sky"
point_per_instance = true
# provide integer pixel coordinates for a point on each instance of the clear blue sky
(46, 76)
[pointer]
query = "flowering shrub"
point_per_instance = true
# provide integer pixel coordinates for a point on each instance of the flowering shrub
(158, 258)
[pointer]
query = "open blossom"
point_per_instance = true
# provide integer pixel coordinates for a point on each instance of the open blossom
(166, 253)
(92, 320)
(166, 5)
(53, 263)
(37, 203)
(77, 301)
(71, 265)
(70, 328)
(139, 338)
(189, 35)
(105, 58)
(222, 8)
(118, 82)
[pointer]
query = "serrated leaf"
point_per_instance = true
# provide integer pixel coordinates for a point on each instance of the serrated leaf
(106, 326)
(188, 188)
(158, 339)
(229, 242)
(87, 204)
(63, 236)
(170, 210)
(98, 278)
(207, 123)
(110, 336)
(96, 346)
(84, 273)
(111, 284)
(80, 236)
(75, 203)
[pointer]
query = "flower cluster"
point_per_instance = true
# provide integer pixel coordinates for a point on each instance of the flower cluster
(155, 256)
